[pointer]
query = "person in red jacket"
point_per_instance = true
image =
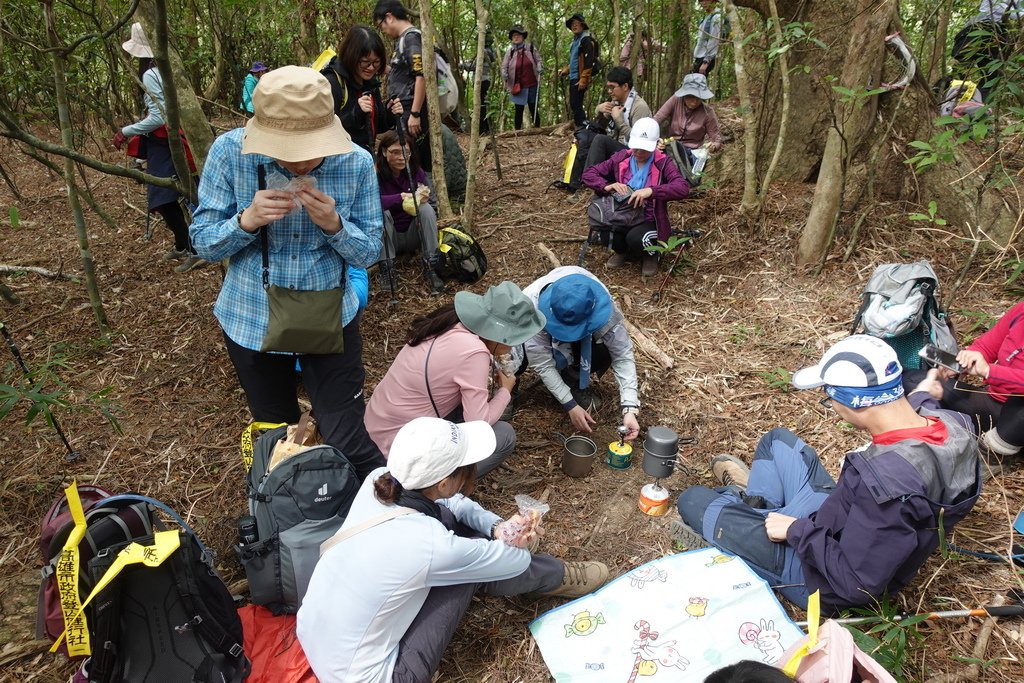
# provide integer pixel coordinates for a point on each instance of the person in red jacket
(997, 357)
(650, 180)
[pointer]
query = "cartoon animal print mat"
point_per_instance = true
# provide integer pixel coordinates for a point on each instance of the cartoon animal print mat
(677, 618)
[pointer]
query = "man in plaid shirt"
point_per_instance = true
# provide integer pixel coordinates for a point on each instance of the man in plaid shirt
(329, 218)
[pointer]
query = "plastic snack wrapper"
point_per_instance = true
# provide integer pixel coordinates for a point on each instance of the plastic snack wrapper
(276, 181)
(516, 529)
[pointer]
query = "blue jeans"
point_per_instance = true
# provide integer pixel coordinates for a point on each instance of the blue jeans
(787, 474)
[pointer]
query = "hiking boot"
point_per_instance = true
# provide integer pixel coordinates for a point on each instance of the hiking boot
(996, 454)
(174, 254)
(616, 260)
(730, 470)
(685, 536)
(436, 283)
(193, 261)
(580, 579)
(649, 265)
(386, 276)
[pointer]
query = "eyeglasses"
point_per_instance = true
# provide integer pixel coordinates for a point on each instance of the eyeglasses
(380, 24)
(369, 63)
(826, 402)
(395, 152)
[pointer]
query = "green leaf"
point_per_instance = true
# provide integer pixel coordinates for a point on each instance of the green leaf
(918, 144)
(15, 218)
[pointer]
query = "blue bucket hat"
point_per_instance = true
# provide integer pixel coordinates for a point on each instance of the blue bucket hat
(258, 67)
(575, 306)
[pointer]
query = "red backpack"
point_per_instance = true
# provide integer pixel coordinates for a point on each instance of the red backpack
(106, 525)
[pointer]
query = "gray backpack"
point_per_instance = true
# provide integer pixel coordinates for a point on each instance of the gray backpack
(899, 304)
(295, 507)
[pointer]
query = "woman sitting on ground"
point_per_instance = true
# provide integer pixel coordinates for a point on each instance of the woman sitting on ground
(356, 89)
(690, 120)
(399, 198)
(643, 173)
(998, 358)
(444, 368)
(392, 585)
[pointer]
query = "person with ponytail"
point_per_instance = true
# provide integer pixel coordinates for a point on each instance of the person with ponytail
(444, 368)
(392, 585)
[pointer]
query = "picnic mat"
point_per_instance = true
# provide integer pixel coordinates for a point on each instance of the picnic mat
(677, 618)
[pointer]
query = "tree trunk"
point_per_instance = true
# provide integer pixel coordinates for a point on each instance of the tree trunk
(749, 203)
(172, 115)
(444, 205)
(308, 43)
(474, 128)
(961, 197)
(67, 137)
(852, 119)
(780, 141)
(937, 64)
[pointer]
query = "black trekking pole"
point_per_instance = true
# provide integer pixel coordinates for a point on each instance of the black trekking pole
(72, 454)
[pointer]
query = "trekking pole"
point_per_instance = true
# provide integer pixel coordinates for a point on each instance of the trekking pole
(402, 138)
(990, 611)
(72, 454)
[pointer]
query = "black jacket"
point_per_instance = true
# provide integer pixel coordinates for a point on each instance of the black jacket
(360, 125)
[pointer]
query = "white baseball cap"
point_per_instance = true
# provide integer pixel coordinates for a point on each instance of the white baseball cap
(859, 361)
(645, 134)
(428, 449)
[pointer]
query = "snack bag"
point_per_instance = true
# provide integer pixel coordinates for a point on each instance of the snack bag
(517, 529)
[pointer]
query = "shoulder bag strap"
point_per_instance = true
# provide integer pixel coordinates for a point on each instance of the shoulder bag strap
(363, 526)
(426, 377)
(261, 175)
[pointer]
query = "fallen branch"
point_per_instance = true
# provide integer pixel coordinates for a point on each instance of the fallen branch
(543, 248)
(544, 130)
(28, 649)
(648, 346)
(38, 271)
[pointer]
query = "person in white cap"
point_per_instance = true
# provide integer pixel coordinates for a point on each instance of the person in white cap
(646, 179)
(392, 585)
(293, 205)
(151, 133)
(867, 534)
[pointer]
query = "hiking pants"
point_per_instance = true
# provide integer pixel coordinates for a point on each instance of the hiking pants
(422, 235)
(531, 102)
(422, 141)
(334, 382)
(602, 147)
(1006, 417)
(579, 115)
(632, 240)
(787, 474)
(423, 645)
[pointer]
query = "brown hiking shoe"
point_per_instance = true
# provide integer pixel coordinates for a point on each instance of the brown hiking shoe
(580, 578)
(649, 265)
(730, 470)
(616, 260)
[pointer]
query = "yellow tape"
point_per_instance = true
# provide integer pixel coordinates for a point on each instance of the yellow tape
(570, 159)
(75, 628)
(247, 440)
(813, 617)
(164, 543)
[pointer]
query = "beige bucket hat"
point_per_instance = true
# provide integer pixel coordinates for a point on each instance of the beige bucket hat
(294, 118)
(137, 45)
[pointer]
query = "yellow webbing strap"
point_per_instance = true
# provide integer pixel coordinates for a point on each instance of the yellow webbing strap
(247, 439)
(813, 617)
(445, 248)
(66, 573)
(570, 159)
(164, 543)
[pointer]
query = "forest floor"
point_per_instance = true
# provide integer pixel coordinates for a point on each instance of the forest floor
(736, 316)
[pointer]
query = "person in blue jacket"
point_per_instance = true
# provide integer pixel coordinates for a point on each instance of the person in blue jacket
(868, 533)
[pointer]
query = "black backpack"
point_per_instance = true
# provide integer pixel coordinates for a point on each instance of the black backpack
(458, 257)
(175, 621)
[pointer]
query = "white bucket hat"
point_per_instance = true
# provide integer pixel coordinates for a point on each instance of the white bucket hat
(428, 449)
(645, 134)
(137, 45)
(294, 119)
(696, 85)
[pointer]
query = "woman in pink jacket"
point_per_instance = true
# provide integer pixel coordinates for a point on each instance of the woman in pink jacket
(997, 357)
(650, 180)
(443, 370)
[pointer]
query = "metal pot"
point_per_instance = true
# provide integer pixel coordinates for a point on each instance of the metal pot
(661, 448)
(578, 456)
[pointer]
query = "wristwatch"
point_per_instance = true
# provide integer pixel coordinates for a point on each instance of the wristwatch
(414, 113)
(630, 410)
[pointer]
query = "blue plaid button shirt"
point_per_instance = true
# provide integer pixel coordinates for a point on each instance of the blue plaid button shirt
(302, 256)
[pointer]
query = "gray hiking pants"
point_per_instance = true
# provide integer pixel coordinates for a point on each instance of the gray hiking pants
(421, 235)
(505, 442)
(423, 645)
